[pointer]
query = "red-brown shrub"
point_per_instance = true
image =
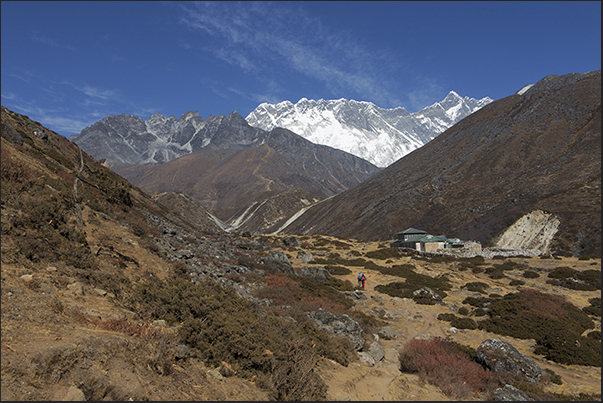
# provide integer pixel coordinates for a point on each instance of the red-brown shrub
(442, 363)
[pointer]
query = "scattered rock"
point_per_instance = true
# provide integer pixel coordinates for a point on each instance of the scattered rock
(379, 312)
(376, 351)
(357, 294)
(343, 325)
(501, 357)
(453, 330)
(77, 288)
(306, 257)
(317, 273)
(11, 134)
(387, 333)
(510, 394)
(367, 359)
(292, 241)
(51, 269)
(74, 395)
(100, 292)
(427, 294)
(214, 373)
(27, 277)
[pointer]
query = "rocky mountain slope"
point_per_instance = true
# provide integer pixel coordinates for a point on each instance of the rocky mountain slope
(223, 163)
(378, 135)
(229, 182)
(539, 149)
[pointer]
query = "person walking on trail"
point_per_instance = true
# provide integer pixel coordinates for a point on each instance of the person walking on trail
(361, 279)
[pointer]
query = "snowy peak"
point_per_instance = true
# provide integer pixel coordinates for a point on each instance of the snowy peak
(378, 135)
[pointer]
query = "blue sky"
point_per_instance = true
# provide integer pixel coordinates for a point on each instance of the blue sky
(69, 64)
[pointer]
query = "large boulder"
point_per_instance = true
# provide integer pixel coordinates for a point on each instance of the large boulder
(317, 273)
(341, 325)
(501, 357)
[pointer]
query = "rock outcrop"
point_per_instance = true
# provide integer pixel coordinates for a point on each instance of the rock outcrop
(501, 357)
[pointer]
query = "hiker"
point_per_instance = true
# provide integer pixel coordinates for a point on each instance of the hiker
(361, 279)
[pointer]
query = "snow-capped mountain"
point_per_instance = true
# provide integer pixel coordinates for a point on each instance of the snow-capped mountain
(378, 135)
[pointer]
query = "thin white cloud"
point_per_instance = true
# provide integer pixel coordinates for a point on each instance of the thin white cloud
(93, 92)
(261, 37)
(49, 42)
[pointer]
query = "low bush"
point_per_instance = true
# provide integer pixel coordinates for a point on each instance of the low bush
(442, 363)
(554, 323)
(337, 270)
(516, 282)
(382, 254)
(594, 308)
(476, 287)
(530, 274)
(463, 323)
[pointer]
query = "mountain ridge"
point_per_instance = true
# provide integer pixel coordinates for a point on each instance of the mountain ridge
(378, 135)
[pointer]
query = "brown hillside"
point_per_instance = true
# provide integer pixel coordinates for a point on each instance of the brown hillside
(539, 150)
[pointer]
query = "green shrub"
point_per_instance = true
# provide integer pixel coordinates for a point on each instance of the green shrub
(446, 317)
(382, 254)
(554, 323)
(562, 272)
(530, 274)
(463, 323)
(464, 311)
(476, 287)
(516, 282)
(338, 270)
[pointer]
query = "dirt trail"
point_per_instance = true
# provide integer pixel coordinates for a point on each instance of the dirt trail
(360, 381)
(384, 381)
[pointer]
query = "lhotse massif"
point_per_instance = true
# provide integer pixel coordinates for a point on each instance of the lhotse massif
(378, 135)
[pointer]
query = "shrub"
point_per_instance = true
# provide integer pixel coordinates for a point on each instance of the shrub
(338, 270)
(476, 287)
(382, 254)
(444, 364)
(292, 377)
(554, 323)
(463, 311)
(463, 323)
(516, 282)
(562, 272)
(447, 317)
(530, 274)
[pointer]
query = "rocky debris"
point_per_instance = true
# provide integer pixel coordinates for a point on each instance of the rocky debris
(11, 134)
(306, 257)
(387, 333)
(357, 294)
(534, 230)
(428, 294)
(376, 351)
(74, 395)
(317, 273)
(292, 241)
(510, 394)
(366, 358)
(341, 325)
(501, 357)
